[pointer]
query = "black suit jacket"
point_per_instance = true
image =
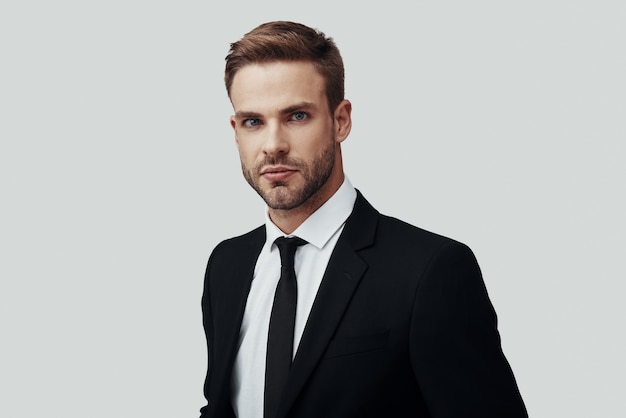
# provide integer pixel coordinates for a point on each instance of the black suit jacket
(402, 326)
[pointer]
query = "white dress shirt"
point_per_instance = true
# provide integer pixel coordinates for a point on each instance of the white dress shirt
(321, 230)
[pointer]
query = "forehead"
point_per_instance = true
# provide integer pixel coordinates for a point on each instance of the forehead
(277, 84)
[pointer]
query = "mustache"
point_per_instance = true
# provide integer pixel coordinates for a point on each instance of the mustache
(279, 160)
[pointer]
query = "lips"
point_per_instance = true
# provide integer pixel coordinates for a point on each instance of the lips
(277, 173)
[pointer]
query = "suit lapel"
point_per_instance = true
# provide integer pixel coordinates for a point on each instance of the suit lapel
(342, 276)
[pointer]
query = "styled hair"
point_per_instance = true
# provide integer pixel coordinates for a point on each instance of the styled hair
(289, 41)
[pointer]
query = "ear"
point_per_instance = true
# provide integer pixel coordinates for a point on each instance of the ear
(233, 124)
(343, 120)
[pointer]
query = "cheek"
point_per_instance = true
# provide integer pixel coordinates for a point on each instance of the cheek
(312, 138)
(247, 154)
(245, 157)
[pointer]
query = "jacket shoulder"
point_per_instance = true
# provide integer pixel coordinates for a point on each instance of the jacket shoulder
(390, 228)
(232, 251)
(253, 237)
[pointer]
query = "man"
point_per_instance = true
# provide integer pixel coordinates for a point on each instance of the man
(387, 320)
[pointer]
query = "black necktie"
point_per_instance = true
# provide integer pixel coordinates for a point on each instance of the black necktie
(280, 336)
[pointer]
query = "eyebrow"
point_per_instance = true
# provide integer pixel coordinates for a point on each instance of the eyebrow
(296, 107)
(244, 114)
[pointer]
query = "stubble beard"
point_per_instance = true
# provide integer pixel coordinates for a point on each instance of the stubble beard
(280, 196)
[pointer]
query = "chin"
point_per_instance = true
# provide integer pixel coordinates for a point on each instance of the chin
(280, 201)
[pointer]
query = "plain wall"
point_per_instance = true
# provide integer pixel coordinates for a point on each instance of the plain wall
(500, 124)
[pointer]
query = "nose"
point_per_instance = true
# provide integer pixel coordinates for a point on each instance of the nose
(276, 141)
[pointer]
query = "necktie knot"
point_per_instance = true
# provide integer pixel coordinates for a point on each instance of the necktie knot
(287, 247)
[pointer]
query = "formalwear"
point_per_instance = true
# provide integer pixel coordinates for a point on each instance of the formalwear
(402, 326)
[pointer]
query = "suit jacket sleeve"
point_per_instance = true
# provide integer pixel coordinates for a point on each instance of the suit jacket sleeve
(207, 323)
(456, 353)
(226, 283)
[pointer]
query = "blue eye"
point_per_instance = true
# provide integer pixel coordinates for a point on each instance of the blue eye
(299, 116)
(250, 123)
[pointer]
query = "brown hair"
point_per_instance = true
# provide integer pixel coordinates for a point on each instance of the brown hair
(289, 41)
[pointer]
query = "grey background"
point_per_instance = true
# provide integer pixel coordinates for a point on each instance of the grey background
(500, 124)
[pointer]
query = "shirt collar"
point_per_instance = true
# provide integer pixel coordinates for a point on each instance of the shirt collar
(318, 228)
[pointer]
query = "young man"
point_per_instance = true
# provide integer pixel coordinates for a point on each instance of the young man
(382, 319)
